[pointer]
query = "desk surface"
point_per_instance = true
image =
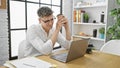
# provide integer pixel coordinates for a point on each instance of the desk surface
(94, 60)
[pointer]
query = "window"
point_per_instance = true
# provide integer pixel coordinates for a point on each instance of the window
(21, 15)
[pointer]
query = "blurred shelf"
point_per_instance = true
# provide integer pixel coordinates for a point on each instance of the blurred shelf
(91, 6)
(87, 37)
(76, 23)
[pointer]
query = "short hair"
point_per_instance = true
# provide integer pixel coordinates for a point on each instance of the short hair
(44, 11)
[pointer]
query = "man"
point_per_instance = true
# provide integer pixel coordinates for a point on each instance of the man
(41, 38)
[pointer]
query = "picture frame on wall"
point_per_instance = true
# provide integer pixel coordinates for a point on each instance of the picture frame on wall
(2, 4)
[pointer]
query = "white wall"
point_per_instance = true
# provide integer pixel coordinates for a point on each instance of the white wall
(4, 54)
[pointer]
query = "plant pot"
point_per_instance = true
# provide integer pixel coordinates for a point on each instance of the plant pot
(101, 36)
(85, 21)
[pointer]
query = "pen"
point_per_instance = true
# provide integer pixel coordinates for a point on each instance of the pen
(29, 65)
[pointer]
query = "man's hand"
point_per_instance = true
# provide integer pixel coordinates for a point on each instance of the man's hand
(62, 20)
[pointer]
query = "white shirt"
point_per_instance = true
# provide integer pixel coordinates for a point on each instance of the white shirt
(38, 43)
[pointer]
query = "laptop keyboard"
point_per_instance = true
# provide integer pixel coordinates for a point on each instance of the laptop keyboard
(61, 57)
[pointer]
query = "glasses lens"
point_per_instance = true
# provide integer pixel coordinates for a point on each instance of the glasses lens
(49, 20)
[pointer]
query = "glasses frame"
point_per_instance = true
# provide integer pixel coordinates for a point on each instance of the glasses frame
(47, 21)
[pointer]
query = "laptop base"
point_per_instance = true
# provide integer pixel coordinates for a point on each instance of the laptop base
(60, 57)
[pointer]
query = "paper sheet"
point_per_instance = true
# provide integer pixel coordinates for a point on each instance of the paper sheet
(29, 62)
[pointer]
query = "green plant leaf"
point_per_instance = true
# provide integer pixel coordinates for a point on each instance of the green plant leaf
(113, 12)
(86, 16)
(110, 30)
(102, 30)
(118, 2)
(118, 10)
(113, 32)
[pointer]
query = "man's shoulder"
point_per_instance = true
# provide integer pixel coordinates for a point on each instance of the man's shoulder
(33, 27)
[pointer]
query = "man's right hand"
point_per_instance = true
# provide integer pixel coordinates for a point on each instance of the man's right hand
(60, 22)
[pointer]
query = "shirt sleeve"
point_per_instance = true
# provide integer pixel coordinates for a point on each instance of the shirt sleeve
(63, 41)
(43, 47)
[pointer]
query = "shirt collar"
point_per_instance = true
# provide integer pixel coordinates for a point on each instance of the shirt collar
(44, 30)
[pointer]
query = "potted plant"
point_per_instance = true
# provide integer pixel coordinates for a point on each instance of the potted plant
(113, 32)
(85, 17)
(101, 32)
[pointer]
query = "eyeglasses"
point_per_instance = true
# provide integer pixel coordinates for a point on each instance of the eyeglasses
(49, 20)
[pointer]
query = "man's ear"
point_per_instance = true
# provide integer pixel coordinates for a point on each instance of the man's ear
(39, 20)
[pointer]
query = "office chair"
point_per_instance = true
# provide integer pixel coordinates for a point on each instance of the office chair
(21, 49)
(112, 47)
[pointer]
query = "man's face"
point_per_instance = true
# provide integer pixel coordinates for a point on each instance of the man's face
(47, 22)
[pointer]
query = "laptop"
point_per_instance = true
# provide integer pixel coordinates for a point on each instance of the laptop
(77, 49)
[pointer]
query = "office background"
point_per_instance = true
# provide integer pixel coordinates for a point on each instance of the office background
(6, 31)
(20, 14)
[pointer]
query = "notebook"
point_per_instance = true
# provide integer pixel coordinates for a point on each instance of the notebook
(77, 50)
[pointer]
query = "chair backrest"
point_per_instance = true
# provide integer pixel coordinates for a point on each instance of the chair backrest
(112, 47)
(21, 49)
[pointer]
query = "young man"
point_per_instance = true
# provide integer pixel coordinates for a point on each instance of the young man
(41, 38)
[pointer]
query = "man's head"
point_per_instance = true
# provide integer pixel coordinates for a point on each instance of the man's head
(46, 17)
(44, 12)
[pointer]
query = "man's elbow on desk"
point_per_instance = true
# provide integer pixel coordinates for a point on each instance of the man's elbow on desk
(47, 51)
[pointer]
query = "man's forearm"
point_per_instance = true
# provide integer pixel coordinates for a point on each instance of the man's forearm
(68, 35)
(54, 36)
